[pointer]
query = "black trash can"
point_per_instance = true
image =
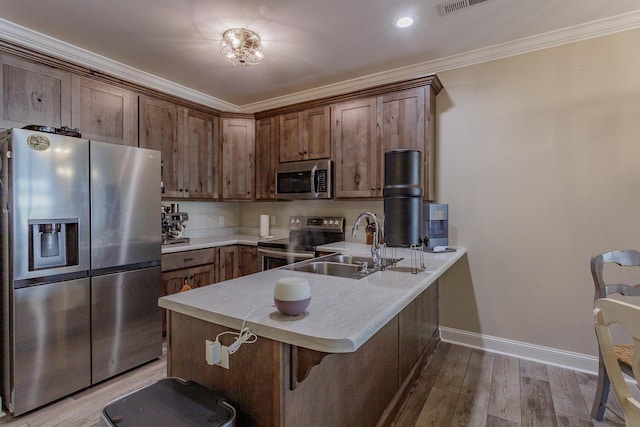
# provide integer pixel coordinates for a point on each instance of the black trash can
(170, 402)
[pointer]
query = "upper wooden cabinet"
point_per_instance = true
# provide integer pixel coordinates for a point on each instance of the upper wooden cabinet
(103, 112)
(33, 94)
(188, 141)
(305, 135)
(159, 131)
(266, 158)
(363, 130)
(200, 152)
(356, 149)
(238, 150)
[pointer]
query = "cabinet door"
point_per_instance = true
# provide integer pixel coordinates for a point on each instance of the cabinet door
(402, 123)
(200, 152)
(33, 94)
(159, 131)
(103, 112)
(266, 158)
(317, 125)
(228, 263)
(238, 146)
(172, 281)
(292, 145)
(356, 149)
(203, 275)
(247, 260)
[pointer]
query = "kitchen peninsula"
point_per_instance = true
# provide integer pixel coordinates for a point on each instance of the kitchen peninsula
(348, 360)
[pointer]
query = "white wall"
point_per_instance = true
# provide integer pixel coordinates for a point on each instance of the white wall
(539, 161)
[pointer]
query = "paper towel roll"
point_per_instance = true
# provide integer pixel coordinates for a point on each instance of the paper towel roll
(264, 225)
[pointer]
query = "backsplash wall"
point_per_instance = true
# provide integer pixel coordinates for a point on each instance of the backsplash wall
(220, 218)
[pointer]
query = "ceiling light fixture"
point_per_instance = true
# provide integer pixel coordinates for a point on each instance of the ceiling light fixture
(241, 46)
(404, 22)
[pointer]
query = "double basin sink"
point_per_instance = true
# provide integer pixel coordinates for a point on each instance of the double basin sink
(339, 265)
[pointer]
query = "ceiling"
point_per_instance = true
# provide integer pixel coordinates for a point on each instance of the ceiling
(307, 43)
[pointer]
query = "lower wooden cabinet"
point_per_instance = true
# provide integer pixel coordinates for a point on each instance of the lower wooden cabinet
(195, 268)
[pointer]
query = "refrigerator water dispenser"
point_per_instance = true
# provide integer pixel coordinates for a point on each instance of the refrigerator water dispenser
(53, 243)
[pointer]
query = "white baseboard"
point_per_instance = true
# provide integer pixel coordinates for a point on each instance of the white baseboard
(521, 350)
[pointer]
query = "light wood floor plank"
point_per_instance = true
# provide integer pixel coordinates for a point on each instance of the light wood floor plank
(452, 373)
(567, 397)
(505, 389)
(473, 403)
(438, 410)
(536, 403)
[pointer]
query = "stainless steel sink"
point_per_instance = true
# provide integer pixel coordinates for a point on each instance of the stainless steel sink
(339, 265)
(358, 260)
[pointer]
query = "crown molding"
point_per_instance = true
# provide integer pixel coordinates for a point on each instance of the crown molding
(590, 30)
(40, 42)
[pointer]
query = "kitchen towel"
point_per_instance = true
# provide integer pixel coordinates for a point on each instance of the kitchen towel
(264, 225)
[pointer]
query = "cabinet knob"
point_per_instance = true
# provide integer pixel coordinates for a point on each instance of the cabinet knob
(188, 259)
(373, 188)
(180, 190)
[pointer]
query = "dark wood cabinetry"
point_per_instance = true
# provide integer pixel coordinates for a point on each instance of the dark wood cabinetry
(305, 135)
(247, 260)
(356, 149)
(104, 112)
(238, 152)
(159, 131)
(33, 94)
(363, 130)
(266, 158)
(188, 141)
(195, 268)
(200, 154)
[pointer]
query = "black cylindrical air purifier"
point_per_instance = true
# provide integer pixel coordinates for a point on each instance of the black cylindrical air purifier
(402, 194)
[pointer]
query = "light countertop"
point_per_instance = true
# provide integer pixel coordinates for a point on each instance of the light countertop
(343, 314)
(212, 242)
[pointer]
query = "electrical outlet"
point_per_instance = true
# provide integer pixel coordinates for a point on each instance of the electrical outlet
(272, 219)
(221, 220)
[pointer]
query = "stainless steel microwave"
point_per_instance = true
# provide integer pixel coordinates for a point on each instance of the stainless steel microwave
(305, 180)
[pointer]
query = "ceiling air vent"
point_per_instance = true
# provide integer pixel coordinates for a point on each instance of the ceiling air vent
(453, 6)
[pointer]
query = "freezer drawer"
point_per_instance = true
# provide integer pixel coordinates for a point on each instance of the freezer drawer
(52, 343)
(126, 322)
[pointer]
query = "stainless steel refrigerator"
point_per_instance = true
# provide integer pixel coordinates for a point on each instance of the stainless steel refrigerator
(81, 275)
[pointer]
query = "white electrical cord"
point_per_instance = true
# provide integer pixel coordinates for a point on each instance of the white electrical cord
(244, 336)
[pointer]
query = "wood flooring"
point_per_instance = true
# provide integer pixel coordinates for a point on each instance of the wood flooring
(459, 386)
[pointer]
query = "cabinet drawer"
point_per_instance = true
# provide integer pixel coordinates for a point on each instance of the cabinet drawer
(186, 259)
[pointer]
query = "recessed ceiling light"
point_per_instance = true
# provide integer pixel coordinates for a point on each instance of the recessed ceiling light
(404, 22)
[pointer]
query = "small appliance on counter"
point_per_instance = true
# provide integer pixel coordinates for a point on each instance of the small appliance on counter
(435, 225)
(173, 225)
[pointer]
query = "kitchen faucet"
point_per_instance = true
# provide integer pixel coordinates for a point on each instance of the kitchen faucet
(377, 234)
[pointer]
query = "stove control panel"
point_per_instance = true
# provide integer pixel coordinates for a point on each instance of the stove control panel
(316, 223)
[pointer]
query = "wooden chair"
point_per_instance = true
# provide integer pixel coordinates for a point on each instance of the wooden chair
(624, 353)
(607, 312)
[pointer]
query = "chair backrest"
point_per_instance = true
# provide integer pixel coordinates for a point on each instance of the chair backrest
(626, 258)
(607, 312)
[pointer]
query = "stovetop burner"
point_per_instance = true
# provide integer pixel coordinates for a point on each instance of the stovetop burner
(307, 232)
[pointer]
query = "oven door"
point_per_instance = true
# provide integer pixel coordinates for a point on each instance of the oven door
(274, 258)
